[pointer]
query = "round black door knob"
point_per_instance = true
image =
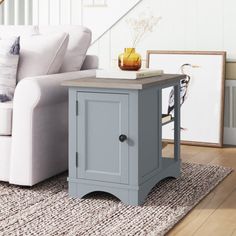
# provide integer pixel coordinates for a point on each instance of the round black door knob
(122, 138)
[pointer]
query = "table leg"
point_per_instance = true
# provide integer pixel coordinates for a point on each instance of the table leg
(177, 121)
(159, 125)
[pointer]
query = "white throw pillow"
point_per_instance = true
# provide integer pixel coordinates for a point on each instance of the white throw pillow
(42, 54)
(9, 57)
(79, 42)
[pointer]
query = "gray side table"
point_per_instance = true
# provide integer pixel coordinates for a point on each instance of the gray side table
(115, 136)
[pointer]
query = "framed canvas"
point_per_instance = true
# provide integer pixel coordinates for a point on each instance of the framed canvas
(202, 94)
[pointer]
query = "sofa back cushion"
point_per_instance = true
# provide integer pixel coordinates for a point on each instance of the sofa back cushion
(42, 54)
(9, 57)
(79, 41)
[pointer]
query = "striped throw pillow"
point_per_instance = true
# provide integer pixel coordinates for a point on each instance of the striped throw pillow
(9, 57)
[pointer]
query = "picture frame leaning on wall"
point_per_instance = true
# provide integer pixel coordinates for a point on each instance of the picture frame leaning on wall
(202, 94)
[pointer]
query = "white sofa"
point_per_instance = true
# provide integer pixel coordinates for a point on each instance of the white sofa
(34, 140)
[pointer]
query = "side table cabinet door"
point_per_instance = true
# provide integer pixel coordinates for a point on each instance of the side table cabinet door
(103, 154)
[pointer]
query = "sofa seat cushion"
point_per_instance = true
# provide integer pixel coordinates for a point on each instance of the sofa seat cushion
(6, 118)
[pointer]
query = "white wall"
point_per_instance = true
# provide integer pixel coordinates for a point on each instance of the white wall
(99, 19)
(186, 25)
(16, 12)
(53, 12)
(95, 14)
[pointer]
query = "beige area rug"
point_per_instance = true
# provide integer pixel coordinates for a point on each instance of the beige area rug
(47, 210)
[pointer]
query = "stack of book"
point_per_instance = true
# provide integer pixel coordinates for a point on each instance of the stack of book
(121, 74)
(166, 118)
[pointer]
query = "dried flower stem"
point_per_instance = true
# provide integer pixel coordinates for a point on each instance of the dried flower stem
(141, 26)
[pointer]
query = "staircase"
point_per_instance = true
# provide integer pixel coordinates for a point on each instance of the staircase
(78, 12)
(47, 12)
(116, 22)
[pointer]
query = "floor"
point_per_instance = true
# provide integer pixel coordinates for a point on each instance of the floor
(215, 214)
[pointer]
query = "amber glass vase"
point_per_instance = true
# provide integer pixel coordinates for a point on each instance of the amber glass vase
(129, 60)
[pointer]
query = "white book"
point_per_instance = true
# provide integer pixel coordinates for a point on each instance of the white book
(121, 74)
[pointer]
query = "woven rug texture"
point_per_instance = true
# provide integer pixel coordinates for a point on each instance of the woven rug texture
(46, 209)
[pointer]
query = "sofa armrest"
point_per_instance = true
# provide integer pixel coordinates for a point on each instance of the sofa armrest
(46, 88)
(40, 127)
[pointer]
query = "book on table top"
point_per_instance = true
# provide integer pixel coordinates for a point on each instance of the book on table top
(122, 74)
(166, 117)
